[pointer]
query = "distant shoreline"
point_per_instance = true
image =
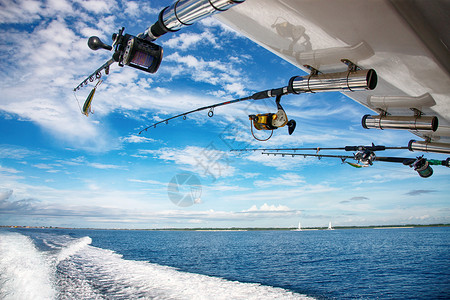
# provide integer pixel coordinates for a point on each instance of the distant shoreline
(237, 228)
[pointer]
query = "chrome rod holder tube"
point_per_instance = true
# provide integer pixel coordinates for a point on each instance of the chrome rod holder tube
(428, 123)
(359, 80)
(185, 12)
(424, 146)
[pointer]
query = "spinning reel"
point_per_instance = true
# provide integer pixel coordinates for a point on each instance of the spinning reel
(271, 121)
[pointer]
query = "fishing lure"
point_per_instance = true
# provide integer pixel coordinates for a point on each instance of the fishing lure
(86, 110)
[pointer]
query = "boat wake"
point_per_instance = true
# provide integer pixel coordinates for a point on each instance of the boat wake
(25, 272)
(73, 269)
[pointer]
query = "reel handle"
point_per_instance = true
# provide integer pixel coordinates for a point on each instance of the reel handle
(95, 43)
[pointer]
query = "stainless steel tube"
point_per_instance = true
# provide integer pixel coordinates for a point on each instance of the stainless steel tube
(423, 146)
(429, 123)
(332, 82)
(185, 12)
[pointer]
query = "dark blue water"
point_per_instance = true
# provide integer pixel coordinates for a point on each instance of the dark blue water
(339, 264)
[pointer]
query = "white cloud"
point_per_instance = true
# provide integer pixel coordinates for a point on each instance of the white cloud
(38, 88)
(20, 11)
(16, 152)
(132, 8)
(215, 72)
(268, 208)
(137, 139)
(9, 170)
(54, 58)
(207, 162)
(104, 166)
(188, 41)
(279, 162)
(42, 166)
(60, 6)
(288, 179)
(235, 88)
(97, 6)
(153, 182)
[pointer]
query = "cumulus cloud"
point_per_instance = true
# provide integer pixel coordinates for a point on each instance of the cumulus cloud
(268, 208)
(45, 62)
(97, 6)
(98, 214)
(5, 194)
(37, 85)
(188, 41)
(19, 11)
(215, 72)
(205, 161)
(9, 206)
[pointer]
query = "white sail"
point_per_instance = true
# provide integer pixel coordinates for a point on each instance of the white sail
(299, 227)
(329, 226)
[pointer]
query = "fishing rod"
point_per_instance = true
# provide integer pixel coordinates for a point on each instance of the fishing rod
(354, 79)
(256, 96)
(366, 157)
(210, 112)
(317, 149)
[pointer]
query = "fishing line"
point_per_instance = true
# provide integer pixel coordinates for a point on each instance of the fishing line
(87, 104)
(251, 129)
(78, 102)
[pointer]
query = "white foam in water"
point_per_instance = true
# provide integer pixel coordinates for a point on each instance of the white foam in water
(126, 279)
(73, 247)
(80, 271)
(25, 273)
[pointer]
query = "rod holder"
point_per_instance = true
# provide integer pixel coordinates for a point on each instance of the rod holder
(427, 123)
(185, 12)
(358, 80)
(425, 146)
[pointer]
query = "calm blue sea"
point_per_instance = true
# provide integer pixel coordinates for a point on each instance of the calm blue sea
(407, 263)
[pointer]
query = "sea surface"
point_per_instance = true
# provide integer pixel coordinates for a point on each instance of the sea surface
(407, 263)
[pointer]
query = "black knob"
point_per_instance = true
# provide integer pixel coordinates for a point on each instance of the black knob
(95, 43)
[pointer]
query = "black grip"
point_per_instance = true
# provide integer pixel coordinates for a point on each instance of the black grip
(260, 95)
(158, 29)
(377, 148)
(370, 148)
(268, 94)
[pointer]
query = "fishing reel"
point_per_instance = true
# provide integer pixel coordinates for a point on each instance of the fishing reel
(272, 121)
(365, 156)
(131, 51)
(421, 166)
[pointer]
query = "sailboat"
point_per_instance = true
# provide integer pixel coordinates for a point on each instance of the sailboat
(299, 227)
(329, 226)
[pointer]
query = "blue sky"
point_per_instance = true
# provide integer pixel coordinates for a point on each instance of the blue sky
(60, 168)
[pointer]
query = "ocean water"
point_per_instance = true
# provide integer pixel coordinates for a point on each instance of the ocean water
(408, 263)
